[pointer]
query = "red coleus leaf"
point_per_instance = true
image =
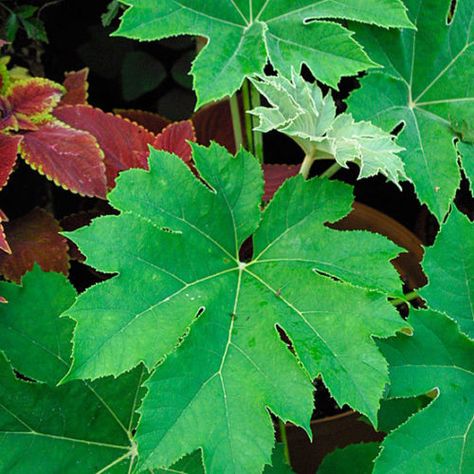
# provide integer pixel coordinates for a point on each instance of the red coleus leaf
(155, 123)
(76, 86)
(275, 175)
(125, 144)
(34, 98)
(34, 238)
(71, 158)
(8, 153)
(214, 122)
(3, 240)
(174, 138)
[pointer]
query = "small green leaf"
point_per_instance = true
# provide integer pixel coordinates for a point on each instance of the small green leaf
(353, 459)
(26, 11)
(182, 296)
(449, 265)
(299, 110)
(35, 29)
(111, 13)
(427, 86)
(244, 35)
(11, 27)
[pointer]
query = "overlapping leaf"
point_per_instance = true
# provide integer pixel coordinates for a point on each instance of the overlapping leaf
(80, 427)
(437, 358)
(69, 157)
(76, 86)
(244, 35)
(34, 238)
(353, 459)
(175, 137)
(426, 85)
(125, 144)
(179, 279)
(449, 265)
(299, 110)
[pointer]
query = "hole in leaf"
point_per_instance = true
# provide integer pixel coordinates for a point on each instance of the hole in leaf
(451, 12)
(398, 128)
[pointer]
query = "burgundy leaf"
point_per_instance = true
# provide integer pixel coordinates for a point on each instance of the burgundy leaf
(125, 144)
(174, 138)
(214, 122)
(8, 153)
(153, 122)
(71, 158)
(76, 86)
(275, 175)
(33, 98)
(34, 238)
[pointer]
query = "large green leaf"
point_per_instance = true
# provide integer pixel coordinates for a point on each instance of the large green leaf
(244, 34)
(426, 84)
(180, 282)
(449, 265)
(299, 110)
(80, 427)
(436, 358)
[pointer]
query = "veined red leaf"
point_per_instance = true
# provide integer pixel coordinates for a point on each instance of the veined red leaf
(174, 138)
(76, 86)
(3, 240)
(125, 144)
(34, 238)
(34, 98)
(153, 122)
(214, 122)
(71, 158)
(275, 175)
(8, 153)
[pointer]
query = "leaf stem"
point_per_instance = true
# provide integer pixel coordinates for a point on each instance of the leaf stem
(331, 171)
(257, 136)
(236, 123)
(307, 164)
(413, 295)
(284, 440)
(248, 118)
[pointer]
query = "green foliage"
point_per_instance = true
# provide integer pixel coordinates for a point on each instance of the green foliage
(80, 427)
(436, 358)
(243, 35)
(183, 297)
(299, 110)
(449, 265)
(353, 459)
(427, 85)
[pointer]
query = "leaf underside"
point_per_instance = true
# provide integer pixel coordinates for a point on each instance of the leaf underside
(180, 283)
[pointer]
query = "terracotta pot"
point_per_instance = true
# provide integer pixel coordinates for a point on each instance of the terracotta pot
(347, 428)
